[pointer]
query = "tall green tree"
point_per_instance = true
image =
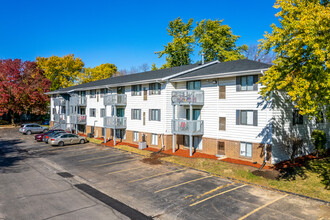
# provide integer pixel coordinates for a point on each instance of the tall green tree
(217, 41)
(301, 67)
(61, 71)
(179, 50)
(102, 71)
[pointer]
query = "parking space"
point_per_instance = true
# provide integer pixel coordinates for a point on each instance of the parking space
(172, 191)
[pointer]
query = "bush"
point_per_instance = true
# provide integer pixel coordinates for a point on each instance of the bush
(319, 140)
(4, 122)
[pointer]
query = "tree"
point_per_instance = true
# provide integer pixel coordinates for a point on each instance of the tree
(301, 44)
(217, 41)
(61, 71)
(102, 71)
(154, 67)
(22, 88)
(253, 53)
(179, 50)
(144, 67)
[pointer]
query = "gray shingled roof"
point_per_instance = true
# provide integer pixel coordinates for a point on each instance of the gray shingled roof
(225, 67)
(214, 68)
(137, 77)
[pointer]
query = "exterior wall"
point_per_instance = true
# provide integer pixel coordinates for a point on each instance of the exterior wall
(283, 128)
(167, 139)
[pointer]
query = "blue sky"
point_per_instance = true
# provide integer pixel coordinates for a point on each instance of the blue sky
(126, 33)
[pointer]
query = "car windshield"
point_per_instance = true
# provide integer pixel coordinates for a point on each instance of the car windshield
(58, 134)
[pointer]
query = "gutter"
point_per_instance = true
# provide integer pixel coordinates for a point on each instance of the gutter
(219, 75)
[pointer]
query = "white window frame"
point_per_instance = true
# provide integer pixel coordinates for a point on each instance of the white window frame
(136, 90)
(155, 88)
(136, 114)
(246, 149)
(154, 139)
(135, 136)
(90, 112)
(92, 93)
(247, 83)
(154, 115)
(249, 117)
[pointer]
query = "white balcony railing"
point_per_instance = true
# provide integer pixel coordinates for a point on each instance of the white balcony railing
(115, 122)
(115, 99)
(78, 119)
(185, 97)
(59, 118)
(186, 127)
(78, 100)
(59, 102)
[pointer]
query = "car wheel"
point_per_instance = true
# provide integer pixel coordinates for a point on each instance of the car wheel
(82, 141)
(28, 132)
(60, 143)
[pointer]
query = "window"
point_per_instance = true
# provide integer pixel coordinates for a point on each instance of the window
(154, 114)
(136, 90)
(136, 114)
(247, 83)
(103, 131)
(92, 94)
(194, 85)
(71, 109)
(102, 112)
(54, 110)
(222, 123)
(297, 119)
(92, 112)
(247, 117)
(154, 139)
(154, 89)
(246, 149)
(135, 136)
(222, 92)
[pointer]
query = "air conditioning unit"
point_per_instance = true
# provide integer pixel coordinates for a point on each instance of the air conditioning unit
(142, 145)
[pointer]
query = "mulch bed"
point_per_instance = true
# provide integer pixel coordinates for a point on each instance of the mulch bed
(246, 163)
(185, 153)
(300, 161)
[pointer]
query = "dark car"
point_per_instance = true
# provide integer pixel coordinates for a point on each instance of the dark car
(39, 137)
(48, 136)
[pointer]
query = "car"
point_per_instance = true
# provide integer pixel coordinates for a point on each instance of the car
(46, 137)
(32, 128)
(39, 137)
(65, 139)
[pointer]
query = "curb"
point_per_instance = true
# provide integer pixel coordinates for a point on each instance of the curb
(232, 179)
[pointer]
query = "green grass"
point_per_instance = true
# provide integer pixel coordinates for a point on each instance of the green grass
(95, 141)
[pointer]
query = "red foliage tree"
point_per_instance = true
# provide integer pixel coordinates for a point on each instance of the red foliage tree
(22, 88)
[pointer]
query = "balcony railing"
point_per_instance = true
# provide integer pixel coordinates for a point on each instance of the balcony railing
(185, 97)
(78, 119)
(115, 99)
(59, 102)
(115, 122)
(78, 100)
(59, 118)
(186, 127)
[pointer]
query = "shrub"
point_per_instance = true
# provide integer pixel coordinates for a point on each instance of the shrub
(319, 140)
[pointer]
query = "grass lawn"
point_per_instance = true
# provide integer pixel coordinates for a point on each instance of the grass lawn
(310, 180)
(95, 141)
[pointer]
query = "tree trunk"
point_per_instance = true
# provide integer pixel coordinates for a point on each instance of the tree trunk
(12, 119)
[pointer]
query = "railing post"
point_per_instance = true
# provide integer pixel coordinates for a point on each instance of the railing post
(105, 129)
(173, 129)
(191, 122)
(114, 129)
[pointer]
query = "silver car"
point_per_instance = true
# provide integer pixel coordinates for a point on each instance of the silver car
(32, 128)
(65, 139)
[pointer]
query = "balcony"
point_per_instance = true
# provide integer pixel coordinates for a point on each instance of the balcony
(59, 102)
(187, 97)
(115, 122)
(78, 119)
(78, 100)
(186, 127)
(59, 118)
(115, 99)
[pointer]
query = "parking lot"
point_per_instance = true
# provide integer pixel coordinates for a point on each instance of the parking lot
(167, 191)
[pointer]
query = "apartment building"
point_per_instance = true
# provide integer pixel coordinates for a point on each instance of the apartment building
(214, 108)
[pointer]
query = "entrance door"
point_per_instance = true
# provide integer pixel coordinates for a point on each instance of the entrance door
(196, 114)
(145, 94)
(120, 112)
(197, 143)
